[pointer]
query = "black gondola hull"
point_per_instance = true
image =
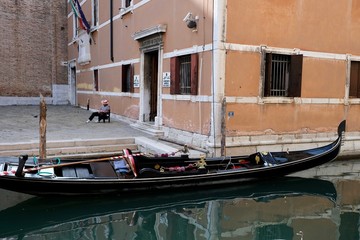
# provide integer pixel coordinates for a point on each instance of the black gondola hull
(174, 181)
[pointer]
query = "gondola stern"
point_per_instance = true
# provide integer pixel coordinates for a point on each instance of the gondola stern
(341, 128)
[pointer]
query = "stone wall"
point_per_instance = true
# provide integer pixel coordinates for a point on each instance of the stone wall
(33, 42)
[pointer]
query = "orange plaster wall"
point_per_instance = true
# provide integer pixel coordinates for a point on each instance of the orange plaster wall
(242, 74)
(94, 50)
(110, 79)
(282, 118)
(188, 116)
(353, 117)
(125, 47)
(178, 35)
(325, 26)
(205, 70)
(126, 106)
(84, 81)
(323, 78)
(102, 46)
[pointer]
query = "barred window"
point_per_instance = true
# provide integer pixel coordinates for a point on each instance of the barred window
(283, 75)
(354, 80)
(184, 75)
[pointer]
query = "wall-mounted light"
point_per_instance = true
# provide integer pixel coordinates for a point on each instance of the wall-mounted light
(191, 21)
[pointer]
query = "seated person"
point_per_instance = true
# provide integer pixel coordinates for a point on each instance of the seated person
(104, 109)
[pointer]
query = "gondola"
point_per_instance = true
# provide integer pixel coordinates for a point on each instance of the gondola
(137, 173)
(44, 216)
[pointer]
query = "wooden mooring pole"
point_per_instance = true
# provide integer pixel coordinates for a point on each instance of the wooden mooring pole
(42, 127)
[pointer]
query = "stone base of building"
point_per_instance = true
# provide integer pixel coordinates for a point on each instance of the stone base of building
(60, 96)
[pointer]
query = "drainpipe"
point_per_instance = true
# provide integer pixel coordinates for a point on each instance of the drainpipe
(111, 32)
(218, 76)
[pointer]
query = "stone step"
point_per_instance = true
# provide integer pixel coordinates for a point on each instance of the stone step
(69, 147)
(67, 143)
(149, 129)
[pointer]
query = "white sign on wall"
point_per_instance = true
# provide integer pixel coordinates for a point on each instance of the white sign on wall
(136, 81)
(166, 79)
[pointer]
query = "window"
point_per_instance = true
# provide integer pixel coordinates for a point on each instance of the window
(95, 13)
(184, 75)
(354, 80)
(283, 75)
(75, 26)
(127, 78)
(96, 80)
(126, 4)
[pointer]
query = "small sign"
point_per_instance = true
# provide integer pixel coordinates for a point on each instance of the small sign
(136, 81)
(166, 79)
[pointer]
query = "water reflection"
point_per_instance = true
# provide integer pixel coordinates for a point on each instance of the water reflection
(277, 209)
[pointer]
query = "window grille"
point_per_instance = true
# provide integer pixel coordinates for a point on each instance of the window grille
(185, 74)
(283, 74)
(279, 75)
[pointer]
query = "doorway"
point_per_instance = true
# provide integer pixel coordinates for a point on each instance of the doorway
(72, 83)
(151, 63)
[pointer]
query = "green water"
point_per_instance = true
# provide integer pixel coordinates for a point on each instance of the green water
(321, 203)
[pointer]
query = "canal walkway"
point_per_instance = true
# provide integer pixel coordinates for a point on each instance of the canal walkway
(66, 125)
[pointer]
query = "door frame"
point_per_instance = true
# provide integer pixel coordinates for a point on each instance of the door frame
(145, 91)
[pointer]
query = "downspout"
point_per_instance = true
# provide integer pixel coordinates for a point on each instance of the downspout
(218, 76)
(111, 32)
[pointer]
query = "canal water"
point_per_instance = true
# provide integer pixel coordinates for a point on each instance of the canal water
(321, 203)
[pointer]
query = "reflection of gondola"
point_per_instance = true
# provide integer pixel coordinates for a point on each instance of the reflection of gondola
(38, 213)
(92, 177)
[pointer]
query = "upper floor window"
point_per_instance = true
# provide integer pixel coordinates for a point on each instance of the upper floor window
(283, 75)
(127, 78)
(75, 27)
(96, 80)
(95, 13)
(354, 91)
(184, 75)
(126, 5)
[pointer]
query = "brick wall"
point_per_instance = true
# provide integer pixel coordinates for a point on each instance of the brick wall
(33, 42)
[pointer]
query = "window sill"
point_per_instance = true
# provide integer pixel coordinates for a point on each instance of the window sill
(124, 11)
(73, 40)
(94, 28)
(354, 100)
(277, 100)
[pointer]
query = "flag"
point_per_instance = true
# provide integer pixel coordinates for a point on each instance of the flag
(85, 23)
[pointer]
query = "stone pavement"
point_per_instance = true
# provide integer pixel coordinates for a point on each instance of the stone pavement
(21, 124)
(68, 133)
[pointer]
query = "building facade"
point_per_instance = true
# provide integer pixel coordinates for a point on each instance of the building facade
(229, 76)
(33, 44)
